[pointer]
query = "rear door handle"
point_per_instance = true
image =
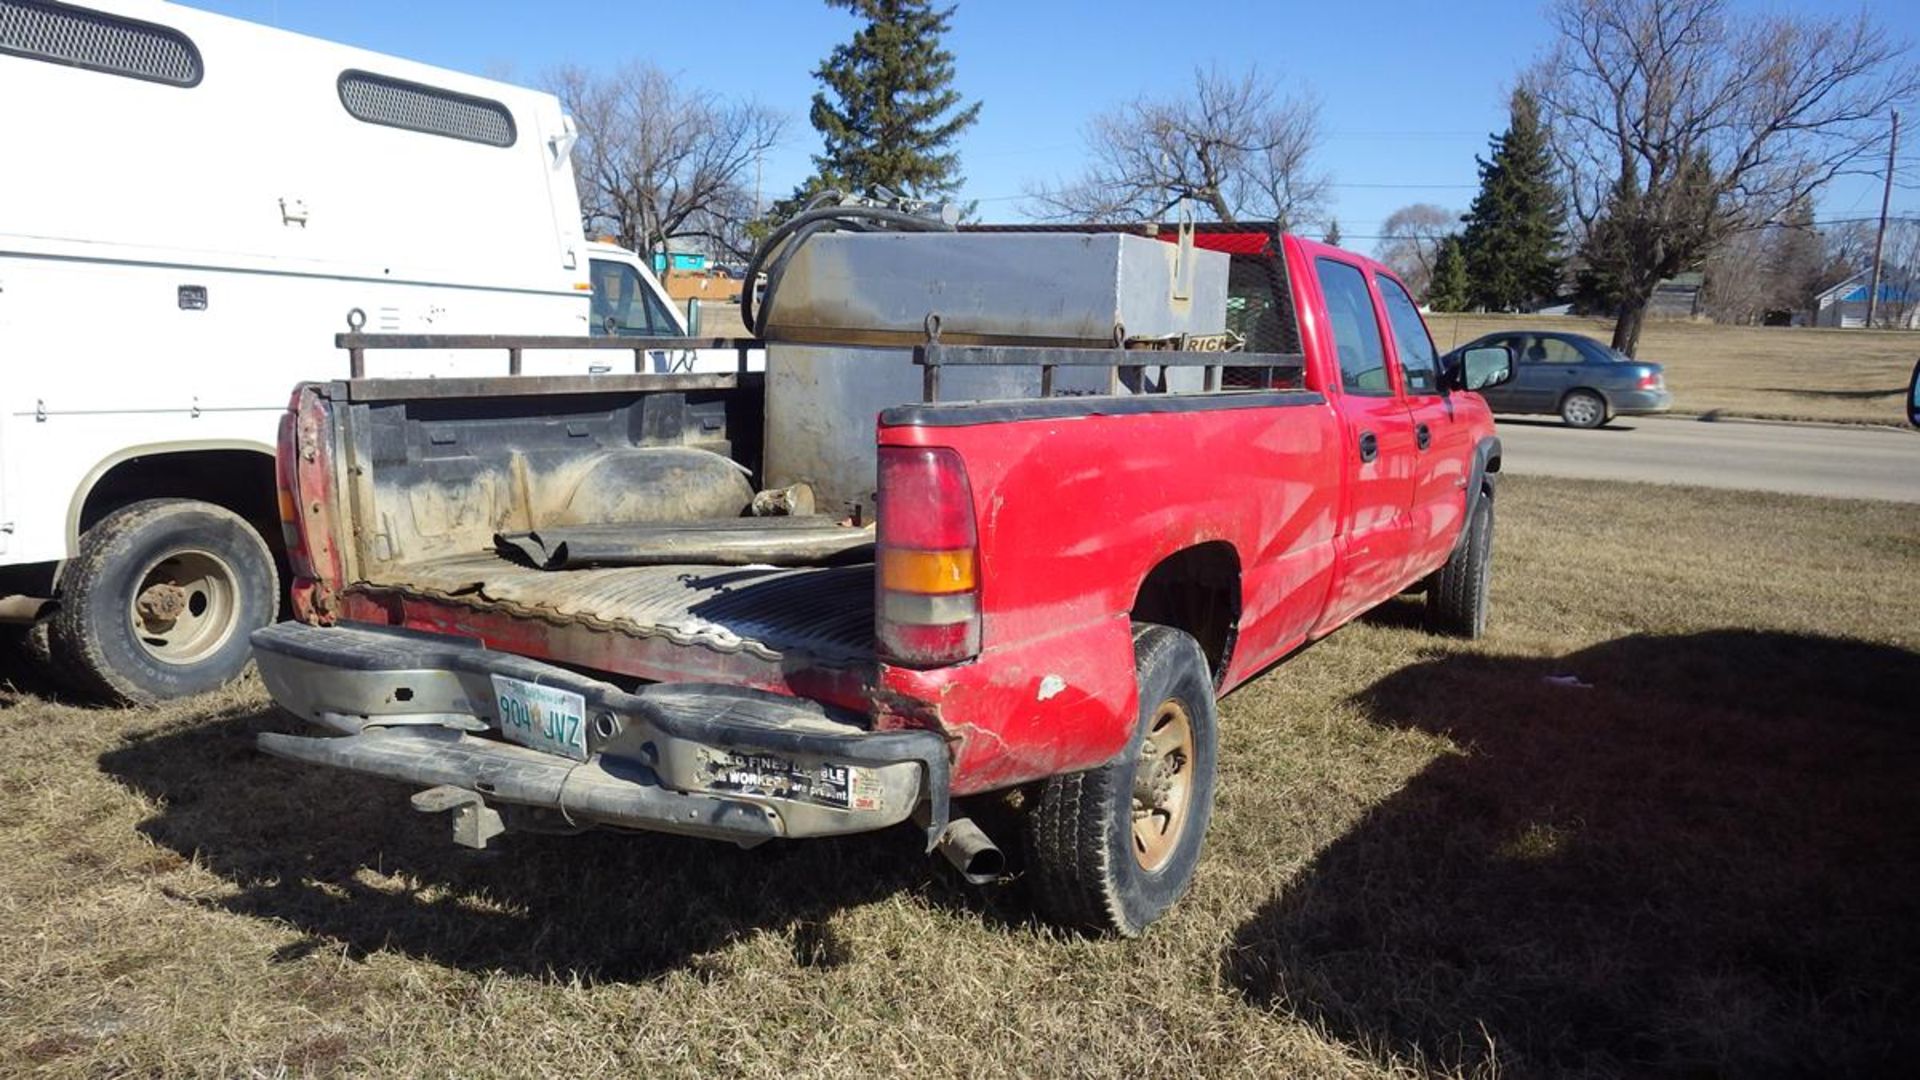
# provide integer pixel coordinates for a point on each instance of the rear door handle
(1421, 436)
(1369, 446)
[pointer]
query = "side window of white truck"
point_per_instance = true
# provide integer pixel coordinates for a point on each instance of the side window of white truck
(623, 305)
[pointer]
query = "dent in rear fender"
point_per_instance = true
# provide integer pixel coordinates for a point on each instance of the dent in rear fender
(1048, 705)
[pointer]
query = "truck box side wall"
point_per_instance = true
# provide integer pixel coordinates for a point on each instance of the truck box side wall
(1073, 512)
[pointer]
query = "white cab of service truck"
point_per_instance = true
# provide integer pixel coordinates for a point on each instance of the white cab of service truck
(191, 207)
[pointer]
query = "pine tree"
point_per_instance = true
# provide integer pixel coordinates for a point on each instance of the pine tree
(1450, 289)
(1795, 259)
(1516, 227)
(889, 112)
(1333, 231)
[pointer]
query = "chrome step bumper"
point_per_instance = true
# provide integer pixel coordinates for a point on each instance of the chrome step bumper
(704, 760)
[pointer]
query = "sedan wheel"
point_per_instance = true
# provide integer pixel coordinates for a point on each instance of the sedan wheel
(1583, 409)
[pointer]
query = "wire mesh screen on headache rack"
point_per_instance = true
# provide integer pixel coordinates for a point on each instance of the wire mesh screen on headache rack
(1260, 311)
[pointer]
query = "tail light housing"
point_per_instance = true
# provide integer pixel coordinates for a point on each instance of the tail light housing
(286, 480)
(927, 579)
(1651, 380)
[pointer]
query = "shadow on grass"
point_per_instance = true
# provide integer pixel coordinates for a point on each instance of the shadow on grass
(1838, 395)
(1701, 865)
(344, 859)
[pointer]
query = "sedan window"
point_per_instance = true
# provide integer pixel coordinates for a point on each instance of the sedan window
(1550, 350)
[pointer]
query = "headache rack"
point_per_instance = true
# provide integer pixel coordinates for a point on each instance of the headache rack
(1121, 359)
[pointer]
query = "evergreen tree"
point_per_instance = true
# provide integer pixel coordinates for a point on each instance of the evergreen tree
(1796, 260)
(889, 112)
(1451, 290)
(1333, 231)
(1516, 227)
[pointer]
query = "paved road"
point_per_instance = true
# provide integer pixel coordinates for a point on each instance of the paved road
(1804, 459)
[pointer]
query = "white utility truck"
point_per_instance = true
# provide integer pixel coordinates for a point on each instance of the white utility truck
(191, 208)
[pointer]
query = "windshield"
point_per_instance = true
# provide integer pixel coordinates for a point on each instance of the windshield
(623, 305)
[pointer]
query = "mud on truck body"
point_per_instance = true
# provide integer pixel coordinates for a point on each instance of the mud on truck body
(962, 537)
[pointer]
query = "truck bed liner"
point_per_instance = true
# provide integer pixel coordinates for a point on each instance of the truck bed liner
(824, 614)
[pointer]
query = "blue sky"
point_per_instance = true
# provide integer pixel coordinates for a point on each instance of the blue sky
(1409, 91)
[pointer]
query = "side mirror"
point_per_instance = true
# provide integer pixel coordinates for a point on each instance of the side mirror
(1480, 368)
(1913, 396)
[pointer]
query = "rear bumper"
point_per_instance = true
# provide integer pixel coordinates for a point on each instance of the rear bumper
(1635, 402)
(705, 760)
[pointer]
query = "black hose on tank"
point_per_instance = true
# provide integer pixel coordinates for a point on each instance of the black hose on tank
(781, 244)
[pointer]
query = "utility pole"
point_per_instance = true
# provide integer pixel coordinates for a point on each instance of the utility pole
(1880, 238)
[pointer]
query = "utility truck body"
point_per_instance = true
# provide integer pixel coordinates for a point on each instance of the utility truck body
(192, 207)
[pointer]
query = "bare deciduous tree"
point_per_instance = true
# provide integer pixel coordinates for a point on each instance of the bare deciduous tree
(1239, 147)
(1678, 121)
(1410, 242)
(657, 160)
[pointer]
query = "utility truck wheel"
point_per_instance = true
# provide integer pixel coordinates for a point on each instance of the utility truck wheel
(160, 601)
(1583, 409)
(1112, 848)
(1457, 592)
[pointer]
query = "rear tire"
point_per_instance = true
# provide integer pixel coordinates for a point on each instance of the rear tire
(1583, 409)
(160, 602)
(1457, 592)
(1112, 848)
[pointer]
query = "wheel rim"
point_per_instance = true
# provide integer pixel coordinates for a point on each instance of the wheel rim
(1162, 785)
(185, 607)
(1582, 410)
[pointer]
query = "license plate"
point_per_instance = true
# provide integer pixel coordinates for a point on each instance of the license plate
(542, 717)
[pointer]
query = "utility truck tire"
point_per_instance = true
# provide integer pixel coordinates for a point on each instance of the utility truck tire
(1457, 592)
(1112, 848)
(160, 602)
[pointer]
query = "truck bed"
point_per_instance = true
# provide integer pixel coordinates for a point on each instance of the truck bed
(823, 615)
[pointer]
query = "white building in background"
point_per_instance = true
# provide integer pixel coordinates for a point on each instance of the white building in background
(1845, 305)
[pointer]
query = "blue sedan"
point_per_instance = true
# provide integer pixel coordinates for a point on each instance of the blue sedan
(1576, 377)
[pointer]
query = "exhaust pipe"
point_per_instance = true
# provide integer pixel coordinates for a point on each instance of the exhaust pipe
(977, 858)
(23, 610)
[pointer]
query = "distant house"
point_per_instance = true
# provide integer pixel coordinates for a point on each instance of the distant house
(1677, 297)
(1846, 303)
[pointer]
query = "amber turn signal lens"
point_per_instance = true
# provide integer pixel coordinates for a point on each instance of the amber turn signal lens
(926, 571)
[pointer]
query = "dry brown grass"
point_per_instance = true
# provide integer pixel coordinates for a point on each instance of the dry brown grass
(1426, 858)
(1776, 373)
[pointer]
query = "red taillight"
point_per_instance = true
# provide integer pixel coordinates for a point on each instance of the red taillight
(927, 579)
(1651, 381)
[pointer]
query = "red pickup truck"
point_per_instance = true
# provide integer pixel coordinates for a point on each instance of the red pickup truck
(1052, 596)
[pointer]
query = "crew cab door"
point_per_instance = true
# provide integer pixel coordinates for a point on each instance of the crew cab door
(1378, 452)
(1440, 441)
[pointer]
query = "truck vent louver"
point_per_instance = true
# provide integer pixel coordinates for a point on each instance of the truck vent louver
(378, 99)
(96, 41)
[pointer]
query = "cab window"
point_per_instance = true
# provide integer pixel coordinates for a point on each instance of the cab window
(623, 306)
(1419, 364)
(1356, 332)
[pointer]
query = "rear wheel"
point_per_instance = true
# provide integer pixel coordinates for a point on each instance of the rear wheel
(1583, 409)
(1112, 848)
(160, 601)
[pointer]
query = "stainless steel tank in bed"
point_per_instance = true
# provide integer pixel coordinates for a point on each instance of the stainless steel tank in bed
(845, 312)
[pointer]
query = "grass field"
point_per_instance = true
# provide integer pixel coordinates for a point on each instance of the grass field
(1428, 857)
(1784, 373)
